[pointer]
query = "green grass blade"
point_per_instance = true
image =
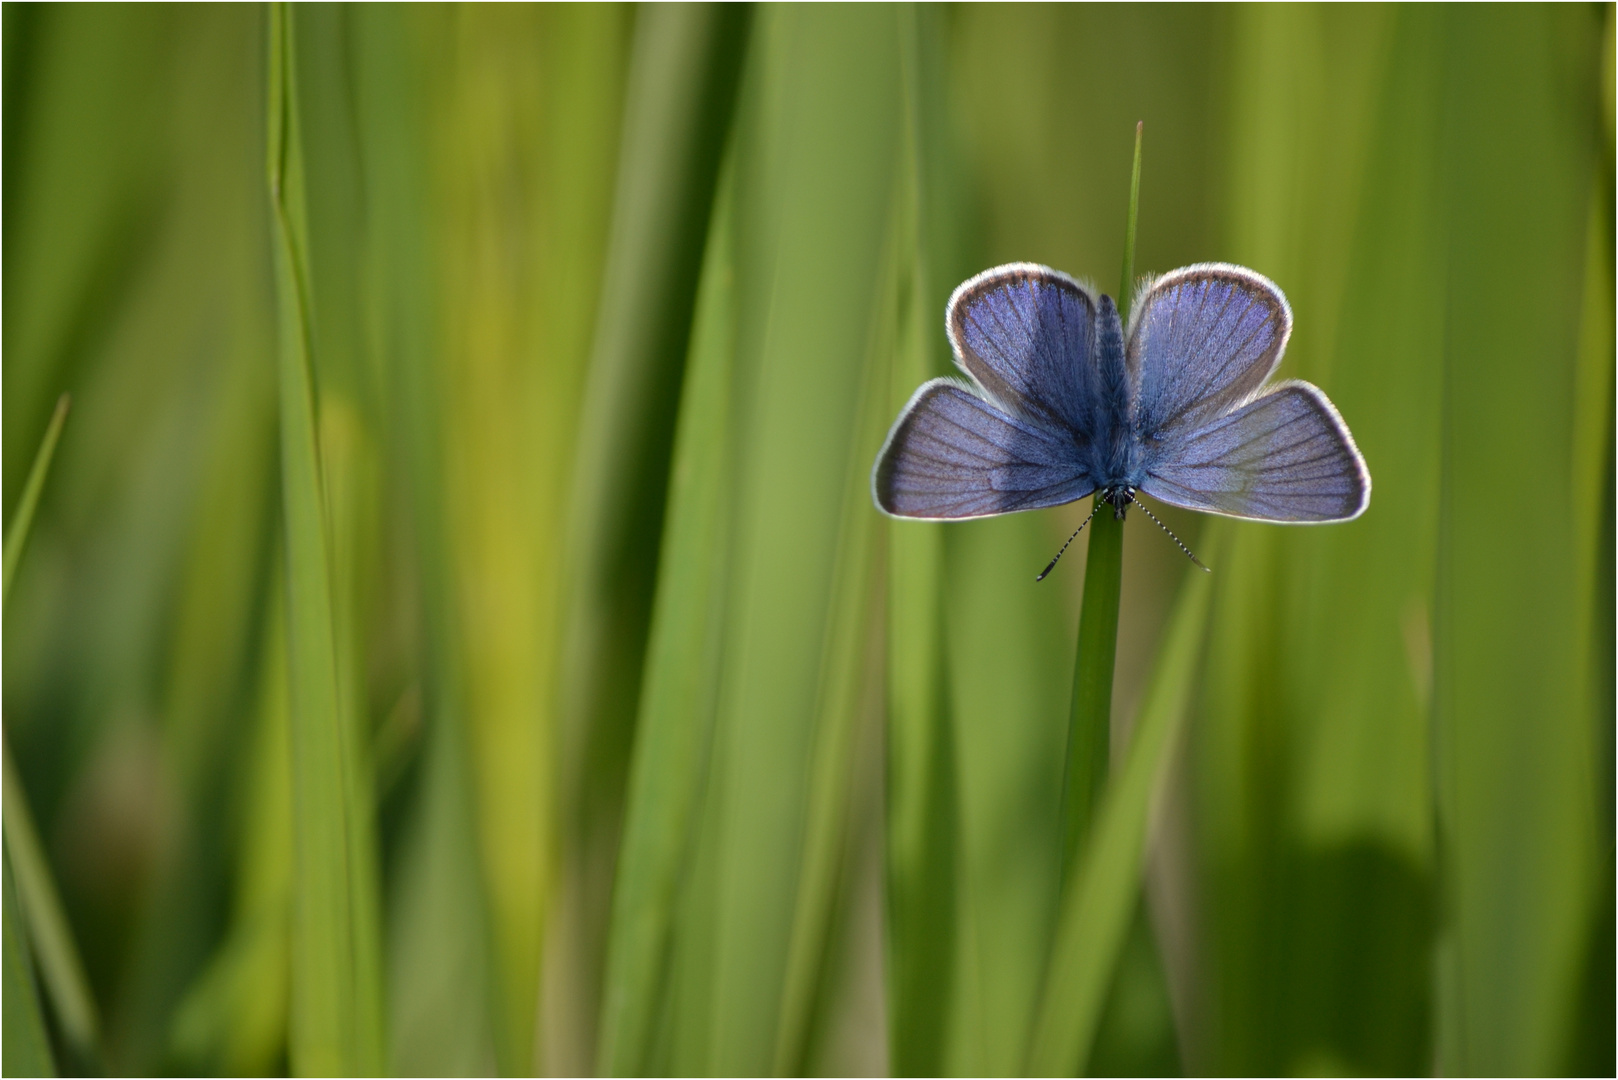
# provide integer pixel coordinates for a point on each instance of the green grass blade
(38, 905)
(213, 605)
(1511, 709)
(84, 154)
(441, 982)
(482, 397)
(669, 764)
(233, 1018)
(1089, 731)
(27, 1048)
(45, 922)
(1307, 781)
(1126, 277)
(155, 477)
(333, 1024)
(934, 854)
(815, 174)
(1590, 1049)
(922, 818)
(1009, 647)
(922, 822)
(843, 773)
(1095, 910)
(682, 82)
(17, 535)
(683, 67)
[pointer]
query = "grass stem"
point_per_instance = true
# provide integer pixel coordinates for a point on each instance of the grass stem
(1088, 735)
(1126, 279)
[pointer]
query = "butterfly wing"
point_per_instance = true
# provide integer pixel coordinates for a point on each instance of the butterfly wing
(952, 454)
(1285, 456)
(1026, 334)
(1202, 340)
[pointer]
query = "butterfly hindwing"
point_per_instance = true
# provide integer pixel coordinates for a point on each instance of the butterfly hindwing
(951, 454)
(1284, 456)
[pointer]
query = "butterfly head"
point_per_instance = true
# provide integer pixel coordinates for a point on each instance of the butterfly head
(1118, 496)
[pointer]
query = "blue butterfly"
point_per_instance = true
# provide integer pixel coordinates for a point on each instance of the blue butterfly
(1063, 404)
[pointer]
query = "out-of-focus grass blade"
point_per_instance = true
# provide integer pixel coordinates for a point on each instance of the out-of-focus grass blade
(685, 63)
(1095, 912)
(1592, 465)
(17, 535)
(233, 1019)
(1590, 1050)
(922, 825)
(1593, 435)
(536, 93)
(684, 67)
(669, 765)
(335, 1021)
(922, 818)
(505, 101)
(45, 921)
(212, 604)
(137, 259)
(1512, 732)
(84, 157)
(441, 1018)
(1306, 785)
(27, 1048)
(815, 173)
(1010, 646)
(839, 762)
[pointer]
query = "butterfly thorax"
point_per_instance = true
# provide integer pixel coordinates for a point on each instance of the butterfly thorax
(1114, 449)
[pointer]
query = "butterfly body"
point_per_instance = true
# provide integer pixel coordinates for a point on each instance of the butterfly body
(1065, 401)
(1117, 454)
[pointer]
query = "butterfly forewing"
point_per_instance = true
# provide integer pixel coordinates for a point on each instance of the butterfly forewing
(1284, 456)
(953, 455)
(1026, 333)
(1202, 339)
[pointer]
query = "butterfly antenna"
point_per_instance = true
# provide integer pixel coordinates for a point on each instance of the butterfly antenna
(1170, 531)
(1094, 505)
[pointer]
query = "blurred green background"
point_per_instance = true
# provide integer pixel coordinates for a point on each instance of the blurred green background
(455, 635)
